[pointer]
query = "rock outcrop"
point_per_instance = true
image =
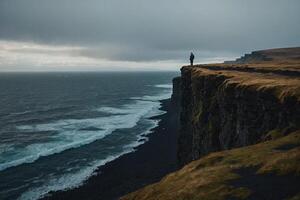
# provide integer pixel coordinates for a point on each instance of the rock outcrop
(222, 110)
(239, 132)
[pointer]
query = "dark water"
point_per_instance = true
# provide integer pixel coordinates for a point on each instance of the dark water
(56, 128)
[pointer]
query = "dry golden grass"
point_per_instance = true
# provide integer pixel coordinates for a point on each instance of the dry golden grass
(278, 59)
(284, 59)
(279, 86)
(279, 76)
(208, 178)
(265, 66)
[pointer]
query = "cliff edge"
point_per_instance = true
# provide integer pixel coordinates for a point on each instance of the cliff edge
(224, 106)
(225, 109)
(252, 106)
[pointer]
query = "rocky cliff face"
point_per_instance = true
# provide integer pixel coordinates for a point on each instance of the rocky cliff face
(176, 93)
(224, 106)
(221, 110)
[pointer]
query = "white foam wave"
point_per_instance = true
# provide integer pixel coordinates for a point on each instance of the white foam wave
(67, 181)
(112, 110)
(163, 96)
(168, 86)
(72, 133)
(20, 113)
(74, 180)
(5, 148)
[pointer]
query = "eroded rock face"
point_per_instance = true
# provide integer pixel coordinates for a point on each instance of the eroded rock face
(176, 93)
(217, 116)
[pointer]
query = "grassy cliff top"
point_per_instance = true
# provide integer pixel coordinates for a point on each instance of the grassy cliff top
(278, 85)
(268, 66)
(283, 59)
(269, 170)
(275, 70)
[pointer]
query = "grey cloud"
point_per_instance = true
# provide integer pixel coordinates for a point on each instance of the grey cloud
(142, 30)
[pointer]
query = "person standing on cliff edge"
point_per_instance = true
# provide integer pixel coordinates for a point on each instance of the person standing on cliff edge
(192, 58)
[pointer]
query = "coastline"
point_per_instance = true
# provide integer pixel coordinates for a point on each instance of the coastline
(148, 164)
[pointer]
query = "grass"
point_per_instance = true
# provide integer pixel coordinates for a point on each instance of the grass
(279, 59)
(278, 85)
(209, 178)
(268, 65)
(280, 74)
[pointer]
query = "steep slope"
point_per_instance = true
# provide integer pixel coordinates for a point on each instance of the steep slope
(224, 109)
(269, 170)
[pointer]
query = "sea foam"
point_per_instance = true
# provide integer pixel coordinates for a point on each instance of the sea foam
(136, 111)
(73, 133)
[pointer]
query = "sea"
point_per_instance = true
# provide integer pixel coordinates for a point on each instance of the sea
(57, 128)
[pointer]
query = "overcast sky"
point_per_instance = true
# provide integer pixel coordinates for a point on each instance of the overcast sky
(46, 35)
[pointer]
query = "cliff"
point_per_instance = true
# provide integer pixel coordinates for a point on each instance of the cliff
(251, 106)
(224, 106)
(224, 109)
(176, 93)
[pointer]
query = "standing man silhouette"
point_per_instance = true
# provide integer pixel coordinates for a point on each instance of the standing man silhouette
(192, 58)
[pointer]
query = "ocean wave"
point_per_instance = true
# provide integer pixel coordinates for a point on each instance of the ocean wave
(73, 133)
(40, 115)
(67, 181)
(42, 110)
(167, 86)
(113, 110)
(5, 148)
(73, 180)
(163, 96)
(20, 113)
